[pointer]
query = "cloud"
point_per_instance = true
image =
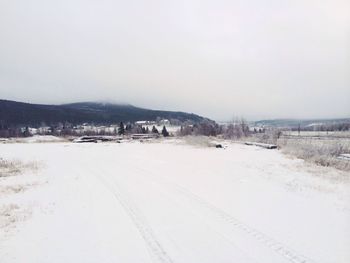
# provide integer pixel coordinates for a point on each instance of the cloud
(220, 58)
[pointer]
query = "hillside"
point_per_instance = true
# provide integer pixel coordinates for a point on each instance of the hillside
(14, 113)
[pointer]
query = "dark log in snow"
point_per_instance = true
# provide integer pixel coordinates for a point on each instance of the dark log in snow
(263, 145)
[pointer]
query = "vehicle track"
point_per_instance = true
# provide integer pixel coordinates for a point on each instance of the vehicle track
(276, 246)
(157, 252)
(281, 249)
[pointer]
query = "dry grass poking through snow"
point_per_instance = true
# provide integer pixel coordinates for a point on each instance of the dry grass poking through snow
(12, 173)
(199, 141)
(8, 168)
(14, 167)
(10, 214)
(321, 152)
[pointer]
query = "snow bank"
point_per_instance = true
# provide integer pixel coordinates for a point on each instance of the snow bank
(39, 139)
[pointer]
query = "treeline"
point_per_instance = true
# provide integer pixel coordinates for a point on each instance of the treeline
(68, 129)
(8, 132)
(234, 130)
(140, 129)
(344, 126)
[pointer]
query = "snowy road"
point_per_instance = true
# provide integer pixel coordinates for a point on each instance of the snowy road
(163, 202)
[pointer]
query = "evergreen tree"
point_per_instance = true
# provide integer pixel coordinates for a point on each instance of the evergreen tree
(154, 130)
(128, 128)
(165, 132)
(121, 129)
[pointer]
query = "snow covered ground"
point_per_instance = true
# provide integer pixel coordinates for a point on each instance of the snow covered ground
(170, 202)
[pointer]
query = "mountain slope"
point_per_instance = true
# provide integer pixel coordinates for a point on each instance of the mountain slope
(19, 113)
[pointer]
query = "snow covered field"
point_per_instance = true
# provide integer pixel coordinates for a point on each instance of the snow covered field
(170, 202)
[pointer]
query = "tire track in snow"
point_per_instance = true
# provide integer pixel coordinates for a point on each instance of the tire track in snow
(281, 249)
(157, 252)
(288, 253)
(170, 260)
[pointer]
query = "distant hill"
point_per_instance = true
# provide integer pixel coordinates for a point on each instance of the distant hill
(294, 123)
(14, 113)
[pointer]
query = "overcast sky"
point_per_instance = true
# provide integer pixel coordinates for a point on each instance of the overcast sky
(218, 58)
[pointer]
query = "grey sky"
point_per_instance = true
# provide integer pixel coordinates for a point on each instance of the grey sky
(251, 58)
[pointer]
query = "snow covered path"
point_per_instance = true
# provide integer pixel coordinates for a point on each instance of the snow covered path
(164, 202)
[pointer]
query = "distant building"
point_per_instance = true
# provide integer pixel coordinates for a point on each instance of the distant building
(44, 130)
(145, 122)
